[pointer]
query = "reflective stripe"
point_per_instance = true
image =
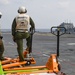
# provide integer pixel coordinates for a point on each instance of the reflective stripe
(22, 30)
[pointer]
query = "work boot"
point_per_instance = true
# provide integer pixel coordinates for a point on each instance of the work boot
(26, 52)
(27, 49)
(29, 55)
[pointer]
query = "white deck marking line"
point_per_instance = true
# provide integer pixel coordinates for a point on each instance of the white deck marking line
(70, 43)
(11, 43)
(58, 59)
(45, 55)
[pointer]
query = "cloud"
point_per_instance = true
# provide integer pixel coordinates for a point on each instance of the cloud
(5, 1)
(64, 3)
(67, 5)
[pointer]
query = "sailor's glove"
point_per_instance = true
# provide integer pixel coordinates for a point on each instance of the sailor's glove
(1, 37)
(32, 31)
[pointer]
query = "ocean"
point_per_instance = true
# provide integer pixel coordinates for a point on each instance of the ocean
(37, 30)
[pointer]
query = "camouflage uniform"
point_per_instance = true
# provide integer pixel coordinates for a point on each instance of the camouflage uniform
(19, 36)
(1, 49)
(1, 44)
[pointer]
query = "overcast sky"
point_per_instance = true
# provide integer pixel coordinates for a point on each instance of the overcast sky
(45, 13)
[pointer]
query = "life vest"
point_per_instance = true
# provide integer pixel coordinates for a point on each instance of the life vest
(22, 21)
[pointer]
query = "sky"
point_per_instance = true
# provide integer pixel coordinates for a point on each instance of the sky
(45, 13)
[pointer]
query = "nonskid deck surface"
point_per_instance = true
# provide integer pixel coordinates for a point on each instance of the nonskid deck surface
(43, 46)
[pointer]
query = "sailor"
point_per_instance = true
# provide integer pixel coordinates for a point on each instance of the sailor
(20, 30)
(1, 44)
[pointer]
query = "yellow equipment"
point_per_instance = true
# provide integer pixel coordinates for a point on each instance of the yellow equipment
(15, 67)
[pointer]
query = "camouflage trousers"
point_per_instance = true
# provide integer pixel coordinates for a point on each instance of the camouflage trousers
(19, 40)
(1, 49)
